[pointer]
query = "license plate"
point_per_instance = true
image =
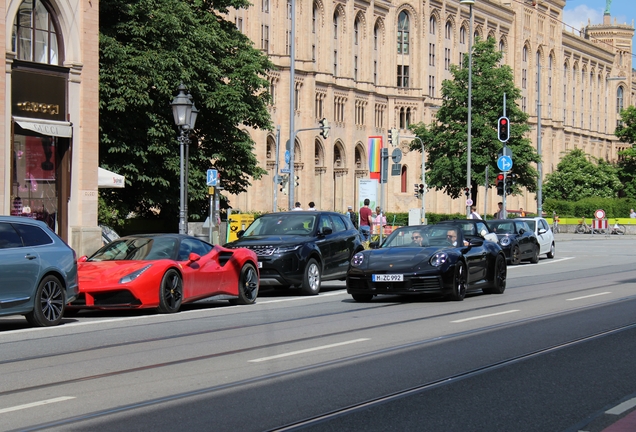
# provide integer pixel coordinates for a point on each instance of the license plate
(387, 278)
(260, 264)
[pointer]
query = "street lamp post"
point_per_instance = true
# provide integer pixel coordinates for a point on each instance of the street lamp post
(470, 3)
(185, 114)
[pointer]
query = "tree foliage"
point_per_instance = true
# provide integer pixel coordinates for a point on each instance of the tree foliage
(626, 132)
(577, 177)
(445, 140)
(148, 47)
(627, 171)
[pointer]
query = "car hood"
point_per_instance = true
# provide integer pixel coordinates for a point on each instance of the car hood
(273, 240)
(401, 258)
(108, 271)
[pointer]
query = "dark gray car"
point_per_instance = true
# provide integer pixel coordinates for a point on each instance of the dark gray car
(38, 271)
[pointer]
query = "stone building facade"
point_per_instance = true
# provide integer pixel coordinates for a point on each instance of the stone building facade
(369, 66)
(49, 121)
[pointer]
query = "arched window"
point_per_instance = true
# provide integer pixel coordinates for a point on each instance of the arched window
(403, 179)
(356, 29)
(336, 19)
(403, 33)
(35, 34)
(432, 25)
(376, 31)
(314, 17)
(448, 30)
(619, 99)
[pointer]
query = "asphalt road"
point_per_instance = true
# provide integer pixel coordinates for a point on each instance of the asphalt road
(553, 353)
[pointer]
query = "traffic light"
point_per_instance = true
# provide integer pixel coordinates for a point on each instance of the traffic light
(324, 128)
(282, 181)
(467, 192)
(296, 181)
(393, 137)
(503, 129)
(421, 190)
(417, 191)
(511, 179)
(500, 184)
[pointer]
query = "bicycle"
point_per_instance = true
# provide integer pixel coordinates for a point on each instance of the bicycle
(617, 229)
(583, 227)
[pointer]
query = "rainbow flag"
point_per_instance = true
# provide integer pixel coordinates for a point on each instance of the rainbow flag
(375, 146)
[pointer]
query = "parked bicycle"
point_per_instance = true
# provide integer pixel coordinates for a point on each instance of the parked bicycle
(617, 229)
(584, 228)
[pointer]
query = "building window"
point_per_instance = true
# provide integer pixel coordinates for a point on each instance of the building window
(403, 33)
(265, 6)
(265, 38)
(356, 26)
(355, 68)
(289, 9)
(431, 85)
(288, 42)
(431, 54)
(402, 76)
(238, 22)
(403, 180)
(34, 36)
(447, 31)
(314, 16)
(432, 26)
(619, 99)
(462, 36)
(335, 62)
(375, 38)
(336, 18)
(447, 58)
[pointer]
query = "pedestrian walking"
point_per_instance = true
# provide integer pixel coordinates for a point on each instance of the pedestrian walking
(351, 214)
(632, 213)
(499, 214)
(297, 207)
(365, 220)
(312, 206)
(379, 221)
(473, 213)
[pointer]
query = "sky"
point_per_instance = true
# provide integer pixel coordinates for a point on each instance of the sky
(577, 12)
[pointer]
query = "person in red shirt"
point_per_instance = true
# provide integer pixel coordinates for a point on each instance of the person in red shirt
(365, 220)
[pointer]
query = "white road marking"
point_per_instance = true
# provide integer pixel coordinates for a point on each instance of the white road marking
(262, 359)
(34, 404)
(340, 292)
(485, 316)
(621, 408)
(588, 296)
(541, 262)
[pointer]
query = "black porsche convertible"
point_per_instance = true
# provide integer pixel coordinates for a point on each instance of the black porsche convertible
(427, 259)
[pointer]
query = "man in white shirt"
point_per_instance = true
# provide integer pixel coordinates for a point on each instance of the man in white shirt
(632, 213)
(297, 207)
(473, 213)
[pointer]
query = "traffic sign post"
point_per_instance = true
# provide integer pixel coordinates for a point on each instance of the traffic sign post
(212, 177)
(504, 163)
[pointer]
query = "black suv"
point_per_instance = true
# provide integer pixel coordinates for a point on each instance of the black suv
(301, 248)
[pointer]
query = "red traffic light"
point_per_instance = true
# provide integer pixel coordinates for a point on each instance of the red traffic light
(503, 121)
(500, 177)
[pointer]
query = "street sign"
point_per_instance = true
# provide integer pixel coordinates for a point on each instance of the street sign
(469, 202)
(285, 170)
(213, 177)
(396, 155)
(505, 151)
(287, 156)
(504, 163)
(599, 214)
(396, 169)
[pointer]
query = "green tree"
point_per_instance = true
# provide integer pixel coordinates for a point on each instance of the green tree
(147, 47)
(578, 176)
(626, 132)
(445, 140)
(627, 171)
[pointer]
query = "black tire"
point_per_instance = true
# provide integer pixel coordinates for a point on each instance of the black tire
(620, 230)
(580, 229)
(248, 286)
(552, 251)
(362, 297)
(48, 304)
(535, 255)
(515, 255)
(170, 292)
(311, 278)
(499, 277)
(459, 282)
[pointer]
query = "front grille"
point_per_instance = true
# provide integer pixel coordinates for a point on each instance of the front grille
(414, 284)
(263, 250)
(112, 298)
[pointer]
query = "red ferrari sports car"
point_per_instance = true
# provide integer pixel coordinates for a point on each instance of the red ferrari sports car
(164, 271)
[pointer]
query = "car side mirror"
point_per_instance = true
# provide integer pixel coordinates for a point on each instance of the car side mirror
(521, 231)
(542, 231)
(240, 233)
(374, 245)
(476, 242)
(194, 257)
(326, 230)
(82, 259)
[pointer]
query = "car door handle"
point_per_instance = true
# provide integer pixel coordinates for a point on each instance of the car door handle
(30, 257)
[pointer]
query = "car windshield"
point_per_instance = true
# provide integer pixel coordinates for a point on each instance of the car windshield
(422, 236)
(143, 248)
(503, 227)
(282, 224)
(532, 224)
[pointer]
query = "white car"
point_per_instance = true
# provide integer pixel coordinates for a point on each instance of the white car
(543, 233)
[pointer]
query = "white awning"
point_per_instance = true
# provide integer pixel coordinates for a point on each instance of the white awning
(108, 179)
(46, 127)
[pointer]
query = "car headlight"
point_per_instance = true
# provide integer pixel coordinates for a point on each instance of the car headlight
(284, 249)
(134, 275)
(438, 259)
(504, 241)
(357, 260)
